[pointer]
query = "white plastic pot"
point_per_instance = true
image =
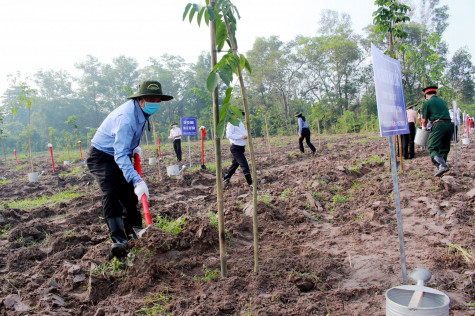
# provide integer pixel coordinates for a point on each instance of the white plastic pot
(465, 141)
(33, 176)
(152, 161)
(66, 162)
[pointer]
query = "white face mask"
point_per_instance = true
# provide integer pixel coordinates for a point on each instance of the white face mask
(174, 126)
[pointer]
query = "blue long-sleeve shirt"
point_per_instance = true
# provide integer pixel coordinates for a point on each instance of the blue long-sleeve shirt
(119, 134)
(302, 124)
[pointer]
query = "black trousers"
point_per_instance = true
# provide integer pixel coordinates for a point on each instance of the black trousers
(306, 136)
(118, 197)
(238, 160)
(408, 142)
(177, 148)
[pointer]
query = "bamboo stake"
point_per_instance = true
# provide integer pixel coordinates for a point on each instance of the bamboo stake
(400, 152)
(217, 145)
(267, 133)
(318, 127)
(251, 149)
(156, 147)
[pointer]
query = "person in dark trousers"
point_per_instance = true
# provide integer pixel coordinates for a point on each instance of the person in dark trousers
(237, 136)
(408, 139)
(304, 133)
(116, 141)
(435, 110)
(175, 134)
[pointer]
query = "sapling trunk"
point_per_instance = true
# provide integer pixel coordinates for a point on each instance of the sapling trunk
(267, 133)
(318, 128)
(4, 152)
(29, 139)
(251, 149)
(217, 146)
(158, 154)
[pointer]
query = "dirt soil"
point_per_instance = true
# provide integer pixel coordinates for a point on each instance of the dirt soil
(328, 236)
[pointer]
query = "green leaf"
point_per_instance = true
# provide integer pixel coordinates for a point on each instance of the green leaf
(212, 81)
(248, 66)
(224, 110)
(207, 17)
(236, 111)
(221, 34)
(188, 6)
(192, 13)
(226, 74)
(233, 120)
(220, 129)
(212, 14)
(200, 15)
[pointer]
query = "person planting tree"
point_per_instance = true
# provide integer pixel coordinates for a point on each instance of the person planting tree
(436, 111)
(116, 140)
(304, 133)
(175, 134)
(237, 136)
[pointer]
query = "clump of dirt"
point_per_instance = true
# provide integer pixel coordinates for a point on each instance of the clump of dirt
(328, 236)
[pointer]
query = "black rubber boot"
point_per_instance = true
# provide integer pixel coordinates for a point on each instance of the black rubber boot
(132, 224)
(116, 230)
(248, 179)
(443, 168)
(227, 178)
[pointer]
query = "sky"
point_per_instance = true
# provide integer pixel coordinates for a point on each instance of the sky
(56, 34)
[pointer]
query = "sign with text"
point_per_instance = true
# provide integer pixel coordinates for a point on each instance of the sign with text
(389, 94)
(189, 126)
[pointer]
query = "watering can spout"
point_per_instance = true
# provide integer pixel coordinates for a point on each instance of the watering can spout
(420, 276)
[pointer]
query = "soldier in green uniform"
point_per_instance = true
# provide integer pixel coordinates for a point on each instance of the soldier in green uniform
(435, 110)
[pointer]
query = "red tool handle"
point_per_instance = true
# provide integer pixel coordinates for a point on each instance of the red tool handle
(146, 211)
(16, 158)
(203, 133)
(52, 160)
(80, 149)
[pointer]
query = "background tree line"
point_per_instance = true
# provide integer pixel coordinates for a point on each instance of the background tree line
(328, 77)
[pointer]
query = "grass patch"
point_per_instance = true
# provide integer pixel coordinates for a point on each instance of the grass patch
(73, 172)
(5, 181)
(28, 204)
(295, 154)
(170, 225)
(209, 275)
(114, 268)
(376, 159)
(264, 198)
(284, 194)
(157, 304)
(465, 253)
(339, 199)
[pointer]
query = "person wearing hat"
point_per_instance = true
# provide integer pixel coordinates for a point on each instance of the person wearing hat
(304, 133)
(237, 136)
(408, 139)
(175, 134)
(116, 141)
(435, 110)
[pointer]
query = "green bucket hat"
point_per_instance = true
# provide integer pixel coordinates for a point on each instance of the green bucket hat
(150, 88)
(297, 114)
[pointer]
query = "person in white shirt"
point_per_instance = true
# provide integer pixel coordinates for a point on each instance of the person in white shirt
(175, 134)
(237, 136)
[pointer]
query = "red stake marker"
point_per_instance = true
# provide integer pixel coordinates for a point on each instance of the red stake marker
(80, 149)
(16, 158)
(50, 146)
(203, 134)
(146, 211)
